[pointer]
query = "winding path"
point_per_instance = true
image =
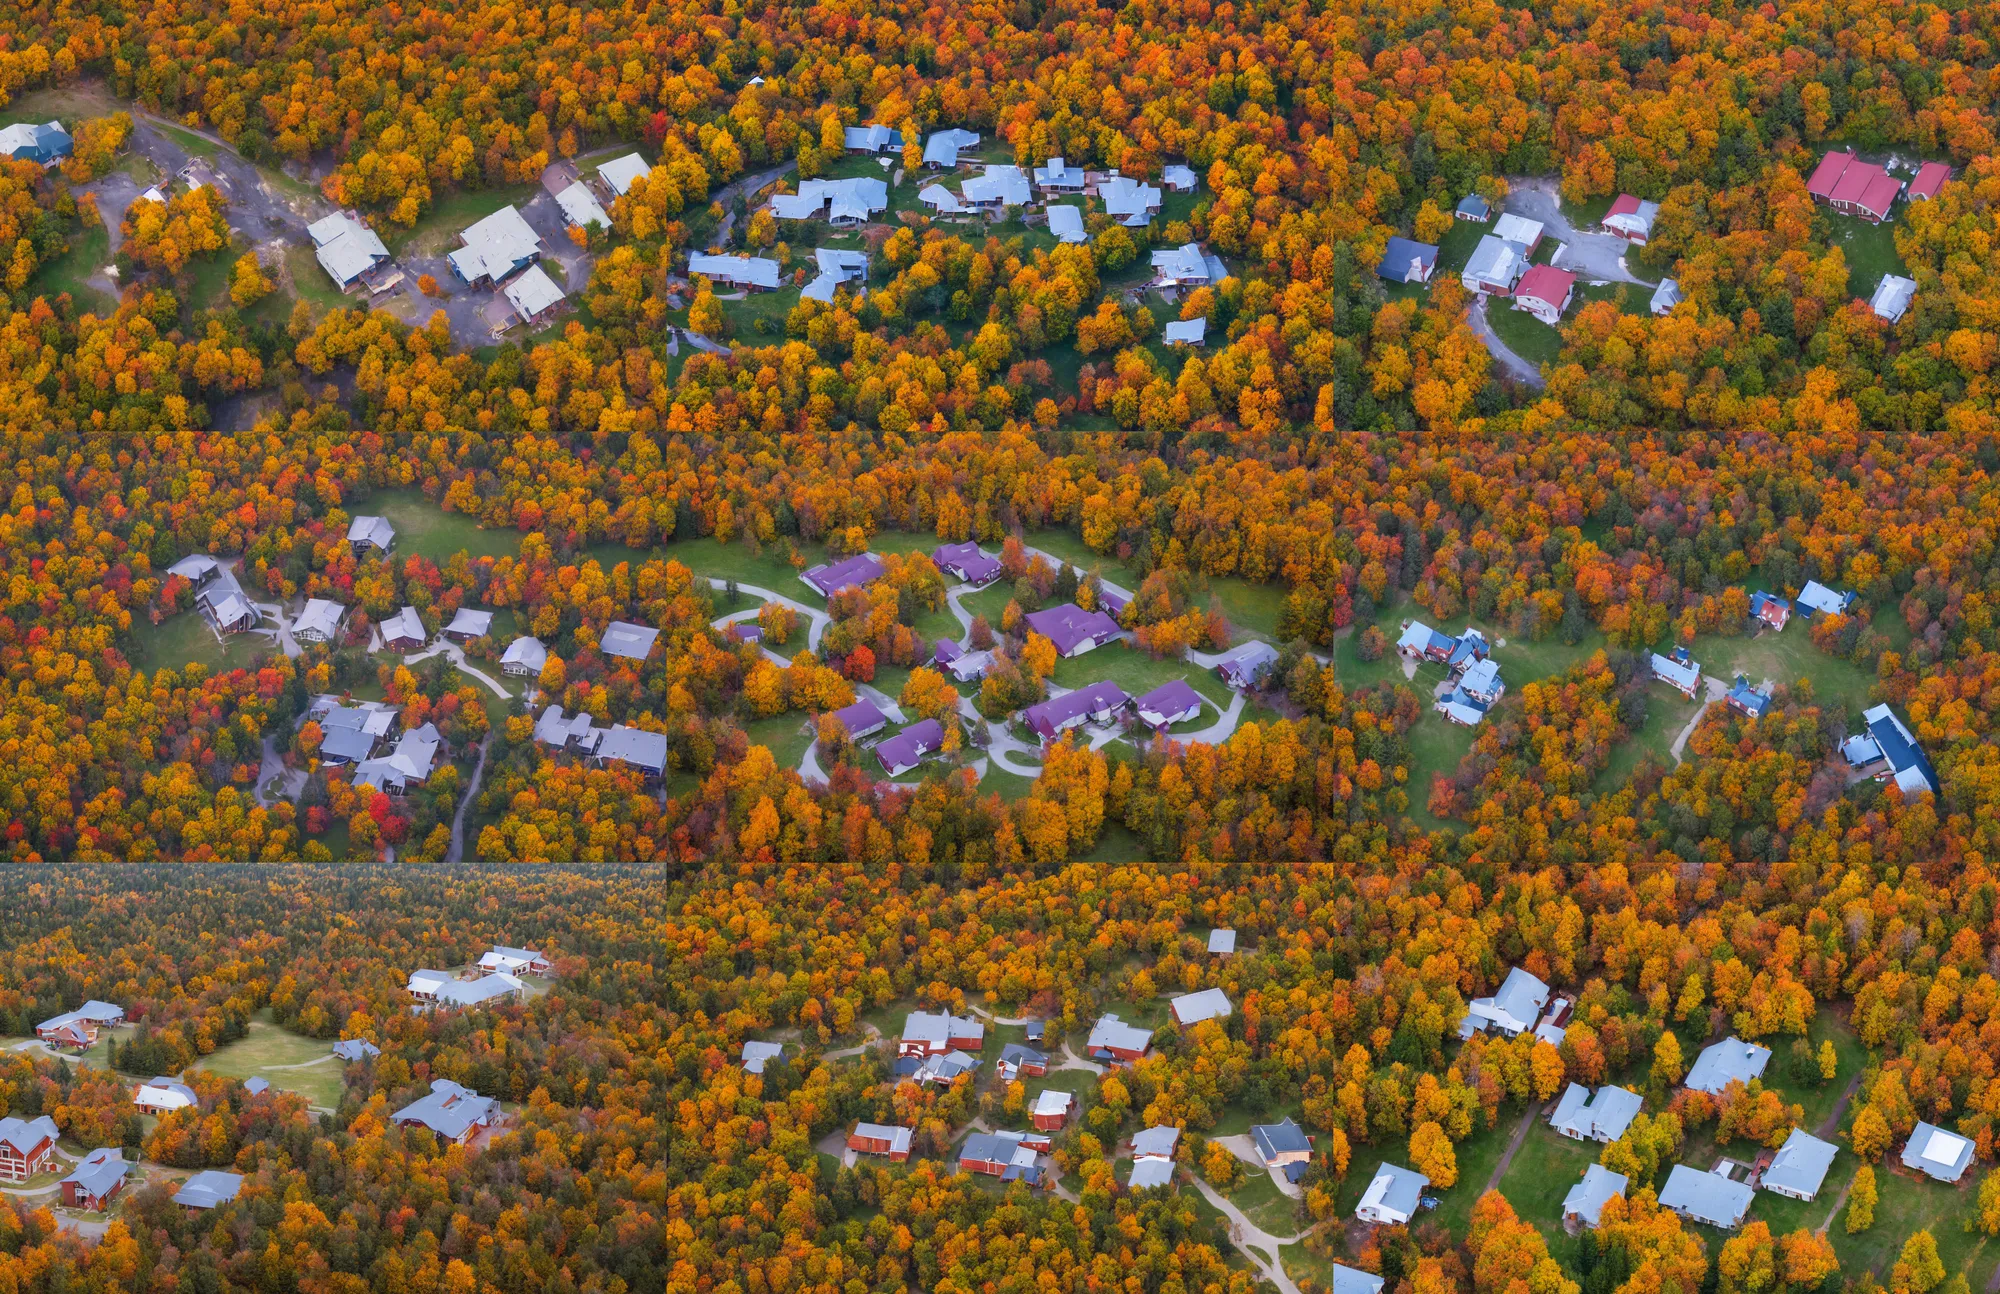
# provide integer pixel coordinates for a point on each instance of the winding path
(819, 620)
(1517, 368)
(456, 655)
(1714, 691)
(749, 184)
(870, 1036)
(457, 852)
(1255, 1243)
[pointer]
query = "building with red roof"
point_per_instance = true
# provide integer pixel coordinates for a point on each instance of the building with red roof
(1544, 292)
(1854, 187)
(1631, 219)
(1930, 179)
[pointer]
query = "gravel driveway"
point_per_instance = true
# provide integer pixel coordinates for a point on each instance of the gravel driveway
(1591, 256)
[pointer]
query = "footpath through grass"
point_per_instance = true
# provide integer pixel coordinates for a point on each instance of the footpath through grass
(289, 1061)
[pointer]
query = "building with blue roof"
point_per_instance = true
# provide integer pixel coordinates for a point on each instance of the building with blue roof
(1747, 700)
(1770, 609)
(1474, 208)
(1405, 260)
(1908, 767)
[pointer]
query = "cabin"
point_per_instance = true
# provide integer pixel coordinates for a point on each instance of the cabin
(1929, 182)
(1247, 666)
(1580, 1116)
(98, 1177)
(1052, 1111)
(404, 631)
(1018, 1060)
(1853, 187)
(880, 1139)
(27, 1147)
(1770, 609)
(1221, 943)
(1474, 208)
(1730, 1061)
(1406, 261)
(1111, 1039)
(209, 1189)
(468, 625)
(1393, 1196)
(1683, 675)
(856, 572)
(364, 533)
(524, 658)
(1179, 178)
(1510, 1011)
(495, 249)
(1186, 332)
(163, 1095)
(1073, 630)
(1665, 298)
(1193, 1008)
(967, 562)
(452, 1113)
(1706, 1197)
(1892, 298)
(1284, 1147)
(1631, 219)
(514, 961)
(1545, 292)
(927, 1033)
(319, 621)
(1799, 1167)
(1936, 1153)
(533, 295)
(756, 1055)
(1584, 1205)
(1170, 703)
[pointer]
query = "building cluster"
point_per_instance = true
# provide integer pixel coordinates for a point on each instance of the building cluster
(1473, 685)
(499, 975)
(358, 736)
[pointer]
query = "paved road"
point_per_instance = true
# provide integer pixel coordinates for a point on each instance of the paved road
(1513, 366)
(1591, 255)
(1071, 1060)
(1255, 1243)
(291, 780)
(870, 1036)
(457, 853)
(1714, 690)
(456, 655)
(749, 184)
(818, 620)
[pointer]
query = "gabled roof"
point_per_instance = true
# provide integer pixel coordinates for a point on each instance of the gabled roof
(1051, 1102)
(1631, 213)
(619, 172)
(1066, 223)
(861, 718)
(470, 622)
(100, 1170)
(195, 566)
(1892, 297)
(580, 206)
(1110, 1031)
(1546, 283)
(449, 1109)
(371, 530)
(46, 138)
(1720, 1062)
(1186, 332)
(477, 992)
(528, 652)
(854, 572)
(1495, 260)
(1352, 1280)
(1274, 1139)
(1473, 207)
(898, 1138)
(1208, 1004)
(1686, 677)
(1156, 1142)
(1824, 600)
(1052, 716)
(1068, 625)
(1395, 1189)
(1015, 1053)
(404, 625)
(1827, 174)
(1183, 264)
(1149, 1174)
(1588, 1197)
(345, 247)
(757, 1054)
(1059, 174)
(942, 148)
(355, 1049)
(256, 1086)
(1405, 260)
(1706, 1197)
(25, 1134)
(937, 1028)
(1176, 176)
(966, 561)
(873, 138)
(1481, 677)
(1518, 229)
(320, 616)
(1801, 1163)
(156, 1091)
(1170, 699)
(208, 1189)
(1931, 177)
(907, 748)
(634, 746)
(629, 641)
(532, 293)
(1128, 200)
(1907, 761)
(1006, 185)
(755, 271)
(495, 245)
(1747, 698)
(936, 195)
(1666, 297)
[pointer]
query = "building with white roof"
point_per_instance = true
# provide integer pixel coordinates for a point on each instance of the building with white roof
(1721, 1063)
(872, 139)
(1511, 1010)
(1892, 297)
(845, 203)
(1800, 1166)
(940, 199)
(1393, 1196)
(209, 1189)
(1000, 186)
(1586, 1200)
(635, 748)
(1158, 1142)
(514, 961)
(1683, 676)
(1060, 177)
(1181, 179)
(1187, 266)
(581, 208)
(346, 248)
(1150, 1174)
(1186, 332)
(404, 631)
(1495, 266)
(524, 656)
(468, 623)
(1518, 229)
(1128, 201)
(1936, 1153)
(163, 1095)
(364, 533)
(1666, 297)
(1821, 600)
(752, 272)
(320, 621)
(1066, 223)
(1193, 1008)
(453, 1113)
(495, 248)
(619, 173)
(533, 295)
(943, 147)
(627, 640)
(409, 762)
(1707, 1197)
(1604, 1117)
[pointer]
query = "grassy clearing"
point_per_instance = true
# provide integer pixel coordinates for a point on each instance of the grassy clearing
(192, 144)
(1667, 712)
(1910, 1204)
(1478, 1155)
(1115, 844)
(427, 530)
(1870, 251)
(186, 638)
(1137, 672)
(310, 283)
(1542, 1174)
(1437, 745)
(759, 316)
(437, 230)
(290, 1062)
(1524, 334)
(1264, 1204)
(1787, 657)
(784, 735)
(206, 281)
(89, 251)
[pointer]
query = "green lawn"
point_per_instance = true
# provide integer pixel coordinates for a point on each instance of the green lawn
(437, 230)
(1909, 1204)
(709, 557)
(1478, 1155)
(193, 144)
(1870, 250)
(89, 251)
(1115, 844)
(427, 530)
(771, 308)
(1437, 745)
(310, 283)
(1137, 672)
(1263, 1203)
(1523, 334)
(1542, 1173)
(186, 637)
(289, 1061)
(1667, 712)
(1786, 657)
(785, 735)
(206, 280)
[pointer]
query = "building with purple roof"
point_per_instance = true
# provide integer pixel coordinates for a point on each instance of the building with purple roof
(1168, 704)
(856, 572)
(1073, 630)
(861, 719)
(1098, 703)
(966, 562)
(945, 651)
(904, 751)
